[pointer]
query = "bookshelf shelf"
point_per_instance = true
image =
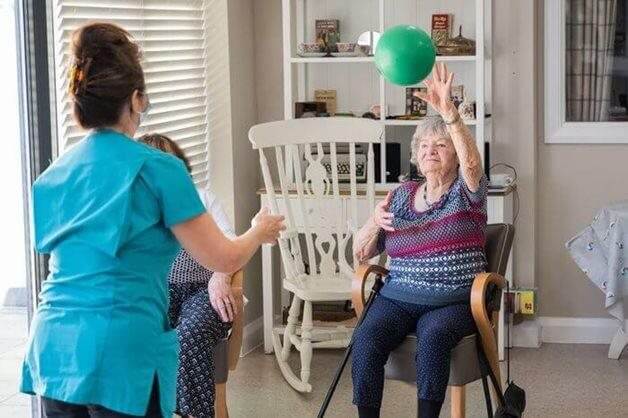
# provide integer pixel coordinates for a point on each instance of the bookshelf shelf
(393, 122)
(330, 60)
(453, 58)
(370, 59)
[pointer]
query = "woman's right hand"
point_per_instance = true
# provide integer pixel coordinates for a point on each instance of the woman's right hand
(268, 226)
(381, 216)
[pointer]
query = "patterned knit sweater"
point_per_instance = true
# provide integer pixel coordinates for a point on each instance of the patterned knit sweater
(435, 254)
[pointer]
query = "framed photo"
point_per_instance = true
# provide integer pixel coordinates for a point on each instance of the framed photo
(457, 94)
(414, 105)
(309, 109)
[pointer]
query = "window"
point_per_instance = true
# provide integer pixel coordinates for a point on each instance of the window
(14, 183)
(586, 71)
(173, 39)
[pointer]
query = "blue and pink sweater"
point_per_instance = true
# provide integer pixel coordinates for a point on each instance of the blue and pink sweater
(434, 255)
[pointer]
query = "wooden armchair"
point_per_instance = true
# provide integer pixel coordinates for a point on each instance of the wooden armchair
(227, 352)
(485, 304)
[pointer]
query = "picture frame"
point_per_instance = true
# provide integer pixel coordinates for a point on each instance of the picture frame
(309, 109)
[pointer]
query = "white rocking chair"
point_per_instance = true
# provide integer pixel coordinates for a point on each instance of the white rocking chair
(326, 216)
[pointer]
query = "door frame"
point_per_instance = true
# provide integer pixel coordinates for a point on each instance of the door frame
(36, 103)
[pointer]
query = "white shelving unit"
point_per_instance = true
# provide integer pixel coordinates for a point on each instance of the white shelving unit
(356, 80)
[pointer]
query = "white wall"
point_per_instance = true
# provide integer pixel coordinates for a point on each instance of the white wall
(514, 115)
(221, 178)
(234, 171)
(268, 60)
(244, 115)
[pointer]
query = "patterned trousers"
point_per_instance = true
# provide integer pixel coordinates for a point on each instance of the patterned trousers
(438, 330)
(199, 329)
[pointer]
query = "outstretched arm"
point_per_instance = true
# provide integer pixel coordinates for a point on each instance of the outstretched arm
(438, 95)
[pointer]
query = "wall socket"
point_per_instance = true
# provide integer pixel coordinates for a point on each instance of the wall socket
(521, 301)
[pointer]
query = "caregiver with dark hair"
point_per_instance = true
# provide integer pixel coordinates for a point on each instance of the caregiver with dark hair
(111, 213)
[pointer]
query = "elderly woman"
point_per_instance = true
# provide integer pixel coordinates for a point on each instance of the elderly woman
(202, 307)
(433, 232)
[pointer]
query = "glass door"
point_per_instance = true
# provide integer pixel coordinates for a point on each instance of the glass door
(13, 257)
(26, 152)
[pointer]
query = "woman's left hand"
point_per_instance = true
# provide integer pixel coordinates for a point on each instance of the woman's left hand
(438, 93)
(221, 296)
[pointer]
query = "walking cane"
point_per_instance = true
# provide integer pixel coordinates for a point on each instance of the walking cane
(330, 392)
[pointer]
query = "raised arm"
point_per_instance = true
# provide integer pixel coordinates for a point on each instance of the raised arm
(438, 95)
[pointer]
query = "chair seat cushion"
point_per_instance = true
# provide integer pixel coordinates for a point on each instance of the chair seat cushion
(464, 362)
(320, 288)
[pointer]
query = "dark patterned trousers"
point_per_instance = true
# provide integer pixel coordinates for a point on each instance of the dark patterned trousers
(199, 329)
(438, 330)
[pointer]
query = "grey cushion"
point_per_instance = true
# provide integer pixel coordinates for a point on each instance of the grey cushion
(464, 357)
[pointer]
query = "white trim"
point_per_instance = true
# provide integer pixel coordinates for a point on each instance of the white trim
(252, 336)
(566, 330)
(526, 334)
(287, 54)
(557, 129)
(480, 66)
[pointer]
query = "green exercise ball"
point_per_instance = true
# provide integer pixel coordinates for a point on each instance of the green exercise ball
(405, 55)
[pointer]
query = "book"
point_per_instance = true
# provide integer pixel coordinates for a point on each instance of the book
(457, 95)
(441, 29)
(327, 96)
(328, 33)
(414, 105)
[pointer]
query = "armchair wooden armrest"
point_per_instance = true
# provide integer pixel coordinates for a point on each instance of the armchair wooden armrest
(486, 324)
(362, 272)
(235, 339)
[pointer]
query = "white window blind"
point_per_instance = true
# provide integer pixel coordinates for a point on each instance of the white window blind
(173, 40)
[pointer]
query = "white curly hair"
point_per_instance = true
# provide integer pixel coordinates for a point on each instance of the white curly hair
(434, 125)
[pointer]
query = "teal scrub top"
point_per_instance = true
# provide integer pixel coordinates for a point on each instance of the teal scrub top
(103, 212)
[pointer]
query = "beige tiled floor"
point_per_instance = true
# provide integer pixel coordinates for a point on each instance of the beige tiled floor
(560, 380)
(12, 340)
(571, 381)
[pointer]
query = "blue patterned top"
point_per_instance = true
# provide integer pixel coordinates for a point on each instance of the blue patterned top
(435, 254)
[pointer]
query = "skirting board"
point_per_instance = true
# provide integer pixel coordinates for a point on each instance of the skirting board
(568, 330)
(252, 336)
(526, 334)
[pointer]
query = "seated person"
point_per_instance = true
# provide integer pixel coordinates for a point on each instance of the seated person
(202, 307)
(433, 233)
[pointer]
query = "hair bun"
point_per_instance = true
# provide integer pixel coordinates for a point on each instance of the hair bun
(105, 73)
(96, 38)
